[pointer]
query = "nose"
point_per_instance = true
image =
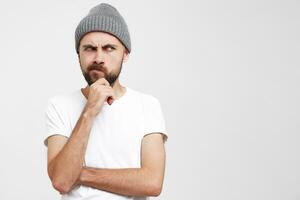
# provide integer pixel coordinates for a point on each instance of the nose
(99, 57)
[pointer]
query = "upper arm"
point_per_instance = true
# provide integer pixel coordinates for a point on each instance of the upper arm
(153, 156)
(55, 145)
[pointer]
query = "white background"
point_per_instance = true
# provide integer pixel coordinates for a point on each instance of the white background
(226, 74)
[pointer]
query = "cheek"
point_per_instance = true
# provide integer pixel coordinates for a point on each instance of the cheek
(85, 60)
(115, 59)
(115, 63)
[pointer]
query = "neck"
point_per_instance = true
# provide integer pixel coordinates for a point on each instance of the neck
(118, 89)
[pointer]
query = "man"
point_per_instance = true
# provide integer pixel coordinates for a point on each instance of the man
(105, 141)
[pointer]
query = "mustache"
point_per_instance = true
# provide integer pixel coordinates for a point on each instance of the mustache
(97, 67)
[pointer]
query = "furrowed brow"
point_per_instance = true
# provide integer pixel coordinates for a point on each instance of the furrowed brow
(112, 45)
(88, 45)
(106, 45)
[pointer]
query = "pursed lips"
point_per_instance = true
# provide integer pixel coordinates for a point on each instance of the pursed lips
(96, 71)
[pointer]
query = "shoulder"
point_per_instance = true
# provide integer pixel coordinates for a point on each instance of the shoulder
(146, 98)
(62, 99)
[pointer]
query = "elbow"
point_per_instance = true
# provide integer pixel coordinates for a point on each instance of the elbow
(155, 189)
(61, 187)
(154, 184)
(59, 183)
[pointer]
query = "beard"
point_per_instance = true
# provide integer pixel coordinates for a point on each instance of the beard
(110, 77)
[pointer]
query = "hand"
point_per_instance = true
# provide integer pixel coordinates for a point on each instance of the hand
(99, 92)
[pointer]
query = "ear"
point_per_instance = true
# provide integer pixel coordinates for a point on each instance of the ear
(125, 56)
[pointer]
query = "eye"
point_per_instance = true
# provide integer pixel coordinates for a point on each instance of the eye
(109, 48)
(89, 48)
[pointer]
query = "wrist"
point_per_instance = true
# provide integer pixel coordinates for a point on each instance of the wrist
(88, 113)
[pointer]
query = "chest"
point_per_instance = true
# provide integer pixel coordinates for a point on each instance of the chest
(115, 138)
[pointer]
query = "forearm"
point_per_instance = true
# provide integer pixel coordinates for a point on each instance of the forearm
(67, 165)
(125, 181)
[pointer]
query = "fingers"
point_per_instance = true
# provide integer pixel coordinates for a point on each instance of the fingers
(111, 93)
(102, 81)
(106, 89)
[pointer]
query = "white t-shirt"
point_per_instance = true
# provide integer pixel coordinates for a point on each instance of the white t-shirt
(116, 135)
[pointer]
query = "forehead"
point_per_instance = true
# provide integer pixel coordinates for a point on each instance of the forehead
(99, 38)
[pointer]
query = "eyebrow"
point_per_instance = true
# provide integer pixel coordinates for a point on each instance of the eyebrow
(89, 45)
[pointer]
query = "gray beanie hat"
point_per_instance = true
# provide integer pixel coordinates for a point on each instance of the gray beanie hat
(106, 18)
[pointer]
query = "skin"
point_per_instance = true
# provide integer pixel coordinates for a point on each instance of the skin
(66, 167)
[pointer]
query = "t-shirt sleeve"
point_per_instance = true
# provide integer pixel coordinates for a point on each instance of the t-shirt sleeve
(55, 124)
(154, 118)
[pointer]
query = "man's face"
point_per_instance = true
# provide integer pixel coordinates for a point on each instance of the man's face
(101, 56)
